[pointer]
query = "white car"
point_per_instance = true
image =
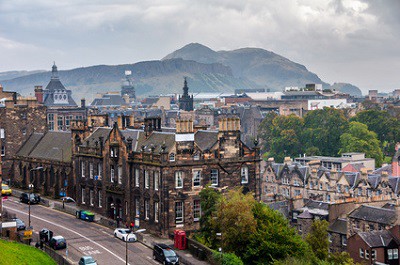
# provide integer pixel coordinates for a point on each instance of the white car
(125, 234)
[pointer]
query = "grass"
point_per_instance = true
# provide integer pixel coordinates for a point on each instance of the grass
(16, 253)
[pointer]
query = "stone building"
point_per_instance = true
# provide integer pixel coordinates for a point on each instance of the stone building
(153, 178)
(61, 107)
(20, 117)
(44, 160)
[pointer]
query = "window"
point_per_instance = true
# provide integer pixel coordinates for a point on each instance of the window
(146, 209)
(346, 188)
(60, 123)
(369, 193)
(320, 186)
(83, 169)
(172, 157)
(146, 179)
(113, 151)
(373, 254)
(339, 188)
(244, 172)
(311, 185)
(68, 121)
(91, 170)
(178, 179)
(361, 253)
(100, 199)
(328, 188)
(137, 172)
(330, 237)
(2, 135)
(99, 170)
(50, 121)
(23, 131)
(156, 179)
(83, 195)
(328, 197)
(196, 210)
(366, 254)
(137, 207)
(179, 212)
(91, 198)
(393, 253)
(156, 212)
(119, 175)
(344, 240)
(359, 191)
(300, 229)
(3, 150)
(296, 192)
(112, 173)
(214, 177)
(196, 178)
(196, 157)
(296, 182)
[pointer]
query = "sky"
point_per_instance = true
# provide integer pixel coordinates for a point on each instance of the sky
(352, 41)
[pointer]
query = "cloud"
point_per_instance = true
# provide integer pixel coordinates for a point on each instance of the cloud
(334, 39)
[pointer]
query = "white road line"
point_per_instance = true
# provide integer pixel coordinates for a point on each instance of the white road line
(70, 230)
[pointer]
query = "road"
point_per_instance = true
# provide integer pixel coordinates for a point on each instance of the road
(83, 238)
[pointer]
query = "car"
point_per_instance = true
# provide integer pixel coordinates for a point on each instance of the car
(29, 197)
(58, 242)
(87, 260)
(68, 200)
(20, 224)
(5, 190)
(125, 234)
(165, 254)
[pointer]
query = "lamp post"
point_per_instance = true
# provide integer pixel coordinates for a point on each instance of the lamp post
(31, 186)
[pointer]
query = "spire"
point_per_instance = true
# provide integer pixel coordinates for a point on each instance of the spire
(54, 71)
(185, 88)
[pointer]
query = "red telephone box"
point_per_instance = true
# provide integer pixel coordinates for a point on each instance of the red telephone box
(180, 239)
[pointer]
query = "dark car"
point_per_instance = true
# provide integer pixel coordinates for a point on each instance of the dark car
(29, 197)
(20, 224)
(58, 242)
(165, 254)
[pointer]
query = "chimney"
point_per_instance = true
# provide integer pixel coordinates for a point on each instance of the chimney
(184, 126)
(83, 103)
(39, 94)
(119, 122)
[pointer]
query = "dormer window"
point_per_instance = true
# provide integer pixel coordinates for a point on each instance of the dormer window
(172, 157)
(244, 172)
(113, 152)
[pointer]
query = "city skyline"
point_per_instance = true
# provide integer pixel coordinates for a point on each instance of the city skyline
(353, 41)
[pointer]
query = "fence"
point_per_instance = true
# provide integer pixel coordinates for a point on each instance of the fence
(57, 257)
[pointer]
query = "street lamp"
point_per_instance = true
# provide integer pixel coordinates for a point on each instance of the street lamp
(126, 244)
(31, 186)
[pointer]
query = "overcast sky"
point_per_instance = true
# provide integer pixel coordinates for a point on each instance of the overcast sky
(354, 41)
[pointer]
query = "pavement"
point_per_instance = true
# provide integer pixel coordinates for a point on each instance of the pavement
(146, 239)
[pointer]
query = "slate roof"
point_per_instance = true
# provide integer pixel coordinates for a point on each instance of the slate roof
(281, 206)
(157, 139)
(99, 132)
(54, 145)
(394, 182)
(108, 100)
(305, 215)
(387, 168)
(339, 226)
(304, 170)
(205, 139)
(381, 238)
(374, 214)
(311, 204)
(29, 144)
(352, 178)
(374, 180)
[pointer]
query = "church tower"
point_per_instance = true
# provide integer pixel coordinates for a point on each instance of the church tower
(186, 101)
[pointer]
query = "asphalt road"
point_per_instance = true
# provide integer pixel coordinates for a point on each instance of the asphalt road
(83, 238)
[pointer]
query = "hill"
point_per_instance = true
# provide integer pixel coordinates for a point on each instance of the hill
(206, 70)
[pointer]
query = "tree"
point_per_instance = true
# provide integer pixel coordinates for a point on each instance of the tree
(265, 131)
(359, 139)
(274, 239)
(209, 199)
(318, 239)
(322, 129)
(236, 219)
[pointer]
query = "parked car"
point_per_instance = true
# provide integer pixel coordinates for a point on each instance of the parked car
(20, 224)
(57, 242)
(125, 234)
(165, 254)
(87, 260)
(29, 197)
(45, 235)
(85, 215)
(68, 200)
(5, 190)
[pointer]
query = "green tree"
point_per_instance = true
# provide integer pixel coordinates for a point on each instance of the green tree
(383, 124)
(235, 219)
(318, 239)
(265, 131)
(342, 258)
(227, 258)
(209, 199)
(322, 130)
(359, 139)
(273, 240)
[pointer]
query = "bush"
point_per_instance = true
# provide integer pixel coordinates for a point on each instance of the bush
(227, 258)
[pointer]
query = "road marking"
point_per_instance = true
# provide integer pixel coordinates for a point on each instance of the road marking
(70, 230)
